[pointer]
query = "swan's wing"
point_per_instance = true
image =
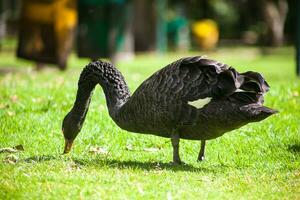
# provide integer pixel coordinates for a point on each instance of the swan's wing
(193, 78)
(177, 91)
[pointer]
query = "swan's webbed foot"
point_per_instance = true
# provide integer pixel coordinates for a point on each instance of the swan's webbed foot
(201, 156)
(175, 143)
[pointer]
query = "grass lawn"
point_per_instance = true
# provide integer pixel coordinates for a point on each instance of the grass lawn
(258, 161)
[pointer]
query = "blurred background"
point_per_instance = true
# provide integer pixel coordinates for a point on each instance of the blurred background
(46, 32)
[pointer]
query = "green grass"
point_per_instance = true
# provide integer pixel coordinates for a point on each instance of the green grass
(258, 161)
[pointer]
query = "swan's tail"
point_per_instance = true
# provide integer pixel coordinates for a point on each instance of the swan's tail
(256, 112)
(252, 88)
(254, 82)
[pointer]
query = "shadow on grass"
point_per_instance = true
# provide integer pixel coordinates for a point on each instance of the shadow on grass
(149, 166)
(129, 164)
(294, 148)
(104, 162)
(41, 158)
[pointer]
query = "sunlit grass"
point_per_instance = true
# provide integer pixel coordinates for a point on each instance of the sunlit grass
(258, 161)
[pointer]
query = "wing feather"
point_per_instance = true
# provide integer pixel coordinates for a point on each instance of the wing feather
(193, 78)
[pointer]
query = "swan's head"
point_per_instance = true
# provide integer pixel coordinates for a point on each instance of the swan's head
(71, 126)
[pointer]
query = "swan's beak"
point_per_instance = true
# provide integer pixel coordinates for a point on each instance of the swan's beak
(68, 146)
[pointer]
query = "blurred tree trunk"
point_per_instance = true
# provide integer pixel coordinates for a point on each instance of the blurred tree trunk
(150, 30)
(3, 15)
(275, 13)
(145, 23)
(205, 9)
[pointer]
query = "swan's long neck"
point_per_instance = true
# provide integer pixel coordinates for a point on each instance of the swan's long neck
(112, 82)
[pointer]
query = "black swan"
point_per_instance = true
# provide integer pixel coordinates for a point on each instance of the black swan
(192, 98)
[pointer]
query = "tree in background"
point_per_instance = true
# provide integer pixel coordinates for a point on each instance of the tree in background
(275, 13)
(2, 21)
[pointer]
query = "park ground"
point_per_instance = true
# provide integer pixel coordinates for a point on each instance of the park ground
(258, 161)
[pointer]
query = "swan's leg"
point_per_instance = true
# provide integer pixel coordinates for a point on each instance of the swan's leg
(201, 153)
(175, 143)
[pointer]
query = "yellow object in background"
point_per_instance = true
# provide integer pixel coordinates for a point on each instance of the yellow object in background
(206, 33)
(47, 30)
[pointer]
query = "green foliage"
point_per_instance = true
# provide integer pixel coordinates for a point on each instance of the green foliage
(258, 161)
(226, 15)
